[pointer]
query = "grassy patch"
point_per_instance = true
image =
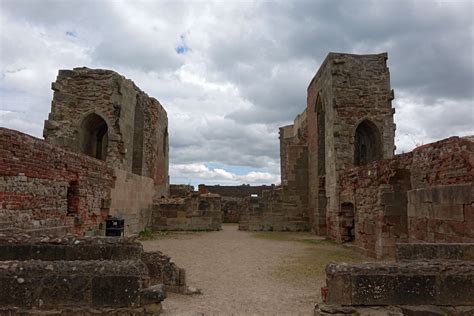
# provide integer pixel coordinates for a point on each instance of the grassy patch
(145, 234)
(148, 234)
(312, 262)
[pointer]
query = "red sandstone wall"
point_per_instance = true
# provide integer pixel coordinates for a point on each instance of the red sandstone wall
(34, 181)
(379, 190)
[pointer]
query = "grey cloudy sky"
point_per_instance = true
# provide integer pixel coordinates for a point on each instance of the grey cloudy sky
(229, 73)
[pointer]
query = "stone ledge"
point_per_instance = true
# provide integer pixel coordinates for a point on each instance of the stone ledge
(442, 283)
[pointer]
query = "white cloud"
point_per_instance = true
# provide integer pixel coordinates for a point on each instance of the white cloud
(196, 173)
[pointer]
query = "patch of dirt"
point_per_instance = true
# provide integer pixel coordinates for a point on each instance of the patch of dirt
(247, 273)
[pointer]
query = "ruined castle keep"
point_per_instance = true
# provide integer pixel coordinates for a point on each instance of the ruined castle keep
(105, 153)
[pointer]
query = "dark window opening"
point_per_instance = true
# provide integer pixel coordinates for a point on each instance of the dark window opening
(368, 144)
(93, 136)
(165, 141)
(347, 220)
(137, 157)
(321, 127)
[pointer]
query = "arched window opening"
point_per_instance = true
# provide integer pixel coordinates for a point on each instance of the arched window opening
(368, 144)
(93, 136)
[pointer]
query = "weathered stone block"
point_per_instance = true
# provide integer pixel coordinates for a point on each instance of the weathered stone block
(115, 291)
(447, 211)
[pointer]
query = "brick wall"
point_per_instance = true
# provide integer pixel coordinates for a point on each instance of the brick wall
(42, 185)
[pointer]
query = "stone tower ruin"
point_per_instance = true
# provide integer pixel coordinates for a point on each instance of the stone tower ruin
(348, 121)
(106, 116)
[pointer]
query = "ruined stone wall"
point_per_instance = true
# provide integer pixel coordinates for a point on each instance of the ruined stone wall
(44, 187)
(422, 195)
(295, 134)
(234, 190)
(194, 212)
(233, 198)
(284, 208)
(132, 199)
(347, 91)
(275, 210)
(136, 134)
(180, 190)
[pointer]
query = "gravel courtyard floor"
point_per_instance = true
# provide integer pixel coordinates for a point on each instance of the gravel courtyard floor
(249, 273)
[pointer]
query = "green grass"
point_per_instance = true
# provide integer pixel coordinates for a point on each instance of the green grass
(312, 262)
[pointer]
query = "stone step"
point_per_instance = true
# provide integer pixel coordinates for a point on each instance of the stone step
(53, 230)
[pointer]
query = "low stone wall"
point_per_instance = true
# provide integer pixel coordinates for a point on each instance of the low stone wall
(442, 283)
(430, 251)
(132, 200)
(195, 212)
(276, 210)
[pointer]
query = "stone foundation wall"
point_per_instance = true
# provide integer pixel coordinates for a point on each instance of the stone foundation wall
(195, 212)
(46, 188)
(132, 200)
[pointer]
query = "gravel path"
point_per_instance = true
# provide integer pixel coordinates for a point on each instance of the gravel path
(235, 271)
